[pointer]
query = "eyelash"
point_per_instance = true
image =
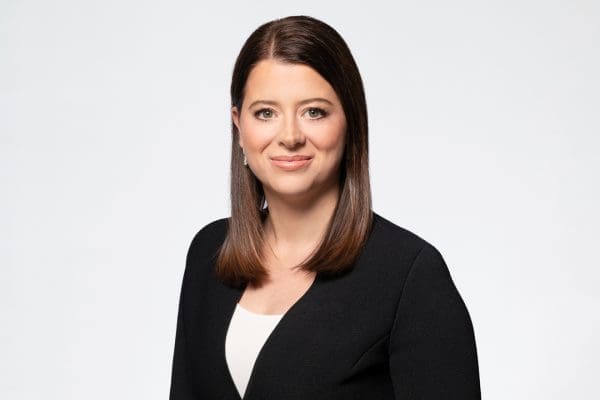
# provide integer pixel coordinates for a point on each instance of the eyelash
(320, 110)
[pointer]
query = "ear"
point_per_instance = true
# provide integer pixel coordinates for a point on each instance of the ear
(235, 116)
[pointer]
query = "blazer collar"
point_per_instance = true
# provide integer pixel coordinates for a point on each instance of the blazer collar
(263, 362)
(287, 325)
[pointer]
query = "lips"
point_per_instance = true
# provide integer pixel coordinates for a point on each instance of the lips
(291, 163)
(291, 158)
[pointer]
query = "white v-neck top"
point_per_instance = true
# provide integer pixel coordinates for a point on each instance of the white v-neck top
(246, 335)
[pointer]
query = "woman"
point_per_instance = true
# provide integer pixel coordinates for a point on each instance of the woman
(305, 292)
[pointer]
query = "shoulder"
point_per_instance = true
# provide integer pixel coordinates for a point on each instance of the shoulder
(420, 260)
(203, 250)
(212, 229)
(402, 250)
(209, 237)
(391, 236)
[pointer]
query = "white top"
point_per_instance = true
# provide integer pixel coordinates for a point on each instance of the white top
(246, 335)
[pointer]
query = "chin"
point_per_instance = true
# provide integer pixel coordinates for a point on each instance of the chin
(291, 187)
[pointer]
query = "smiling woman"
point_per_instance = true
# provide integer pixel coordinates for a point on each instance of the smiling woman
(303, 126)
(305, 292)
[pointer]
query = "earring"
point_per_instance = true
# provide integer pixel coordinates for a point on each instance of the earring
(245, 160)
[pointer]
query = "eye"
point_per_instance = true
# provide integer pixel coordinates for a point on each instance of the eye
(265, 112)
(316, 112)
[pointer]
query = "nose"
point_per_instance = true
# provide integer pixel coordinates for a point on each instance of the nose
(291, 134)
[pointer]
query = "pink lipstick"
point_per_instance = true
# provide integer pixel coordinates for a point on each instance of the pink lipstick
(291, 163)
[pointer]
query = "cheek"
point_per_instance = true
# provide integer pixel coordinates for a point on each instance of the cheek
(255, 134)
(329, 136)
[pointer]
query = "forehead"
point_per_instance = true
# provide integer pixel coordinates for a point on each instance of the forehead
(286, 82)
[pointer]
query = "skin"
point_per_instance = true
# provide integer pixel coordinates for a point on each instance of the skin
(300, 202)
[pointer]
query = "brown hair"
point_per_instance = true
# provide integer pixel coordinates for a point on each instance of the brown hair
(309, 41)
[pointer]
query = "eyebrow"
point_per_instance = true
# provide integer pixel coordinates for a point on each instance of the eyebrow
(274, 103)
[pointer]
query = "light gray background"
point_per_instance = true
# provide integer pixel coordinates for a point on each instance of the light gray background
(115, 136)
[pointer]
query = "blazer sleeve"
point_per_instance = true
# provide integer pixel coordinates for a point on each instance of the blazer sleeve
(181, 380)
(432, 351)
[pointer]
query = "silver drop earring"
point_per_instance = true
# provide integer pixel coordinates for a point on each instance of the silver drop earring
(245, 160)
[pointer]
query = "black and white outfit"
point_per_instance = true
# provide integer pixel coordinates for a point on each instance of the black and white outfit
(394, 327)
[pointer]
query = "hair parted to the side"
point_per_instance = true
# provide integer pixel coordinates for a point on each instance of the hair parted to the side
(309, 41)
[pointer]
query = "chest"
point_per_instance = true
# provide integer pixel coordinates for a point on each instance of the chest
(333, 337)
(277, 295)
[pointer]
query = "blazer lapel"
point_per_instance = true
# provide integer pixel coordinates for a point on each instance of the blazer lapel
(263, 362)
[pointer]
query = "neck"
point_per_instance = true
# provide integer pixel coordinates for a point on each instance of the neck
(300, 223)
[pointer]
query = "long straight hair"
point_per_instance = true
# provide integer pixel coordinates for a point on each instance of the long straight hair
(309, 41)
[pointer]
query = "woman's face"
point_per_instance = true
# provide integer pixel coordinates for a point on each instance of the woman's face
(291, 110)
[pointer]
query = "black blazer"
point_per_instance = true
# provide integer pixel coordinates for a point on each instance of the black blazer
(395, 327)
